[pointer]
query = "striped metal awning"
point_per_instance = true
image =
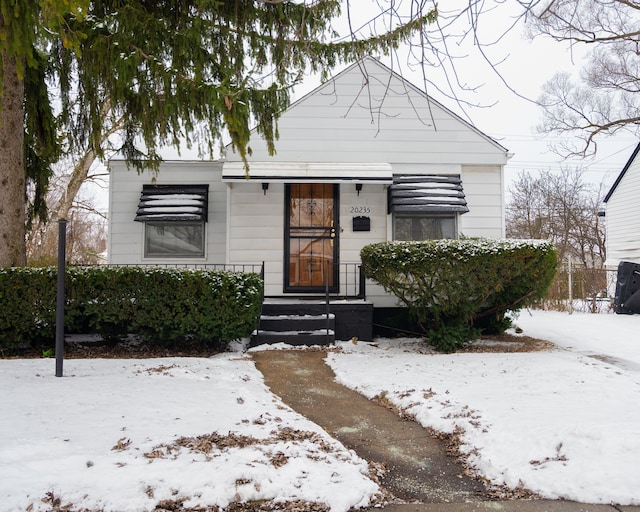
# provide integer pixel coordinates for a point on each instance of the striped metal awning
(165, 203)
(432, 193)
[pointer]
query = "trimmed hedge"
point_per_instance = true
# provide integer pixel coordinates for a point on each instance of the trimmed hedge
(161, 305)
(27, 306)
(450, 285)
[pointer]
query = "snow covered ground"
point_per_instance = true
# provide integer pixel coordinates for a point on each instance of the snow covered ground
(564, 423)
(126, 434)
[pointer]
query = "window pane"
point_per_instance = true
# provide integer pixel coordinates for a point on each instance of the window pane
(448, 227)
(174, 239)
(421, 227)
(311, 205)
(310, 262)
(404, 226)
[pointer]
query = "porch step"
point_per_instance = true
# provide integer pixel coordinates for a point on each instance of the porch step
(294, 329)
(305, 321)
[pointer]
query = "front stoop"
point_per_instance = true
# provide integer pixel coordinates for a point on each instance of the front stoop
(295, 330)
(305, 322)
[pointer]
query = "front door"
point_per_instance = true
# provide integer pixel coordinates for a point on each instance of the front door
(311, 237)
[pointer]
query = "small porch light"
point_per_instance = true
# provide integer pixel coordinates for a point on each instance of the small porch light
(358, 188)
(265, 187)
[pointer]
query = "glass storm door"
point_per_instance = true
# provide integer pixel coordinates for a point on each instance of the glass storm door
(311, 240)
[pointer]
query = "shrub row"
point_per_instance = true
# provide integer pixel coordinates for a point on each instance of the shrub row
(161, 305)
(451, 285)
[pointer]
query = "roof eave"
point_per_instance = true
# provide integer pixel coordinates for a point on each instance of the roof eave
(622, 173)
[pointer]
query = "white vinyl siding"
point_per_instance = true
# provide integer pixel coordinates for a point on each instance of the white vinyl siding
(623, 218)
(256, 229)
(484, 192)
(126, 236)
(372, 203)
(388, 121)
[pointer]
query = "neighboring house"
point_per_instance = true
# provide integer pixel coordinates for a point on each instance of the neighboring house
(623, 214)
(366, 157)
(623, 235)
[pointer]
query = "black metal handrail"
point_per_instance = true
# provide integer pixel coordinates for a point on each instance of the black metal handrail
(257, 268)
(352, 280)
(261, 301)
(350, 276)
(327, 300)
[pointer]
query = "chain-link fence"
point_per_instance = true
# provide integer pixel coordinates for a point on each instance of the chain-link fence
(580, 288)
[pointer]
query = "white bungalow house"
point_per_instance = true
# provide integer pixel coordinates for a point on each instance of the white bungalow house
(366, 157)
(623, 234)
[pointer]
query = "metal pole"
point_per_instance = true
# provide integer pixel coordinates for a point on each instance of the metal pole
(62, 242)
(326, 291)
(570, 272)
(362, 294)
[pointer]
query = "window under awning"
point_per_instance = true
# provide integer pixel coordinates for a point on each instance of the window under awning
(165, 203)
(433, 193)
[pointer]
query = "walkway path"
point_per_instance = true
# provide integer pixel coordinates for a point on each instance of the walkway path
(419, 469)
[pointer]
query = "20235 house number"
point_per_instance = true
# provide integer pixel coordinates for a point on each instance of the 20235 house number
(359, 210)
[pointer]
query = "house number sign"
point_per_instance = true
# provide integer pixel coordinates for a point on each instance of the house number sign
(360, 210)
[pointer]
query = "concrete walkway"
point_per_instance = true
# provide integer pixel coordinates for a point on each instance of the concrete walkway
(420, 473)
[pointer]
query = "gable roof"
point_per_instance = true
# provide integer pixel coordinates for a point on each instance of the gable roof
(359, 65)
(369, 113)
(622, 173)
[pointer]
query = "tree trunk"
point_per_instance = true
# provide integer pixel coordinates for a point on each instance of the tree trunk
(12, 170)
(81, 169)
(61, 209)
(78, 178)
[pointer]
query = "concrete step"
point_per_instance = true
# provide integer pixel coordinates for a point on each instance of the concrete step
(353, 318)
(297, 322)
(294, 338)
(295, 329)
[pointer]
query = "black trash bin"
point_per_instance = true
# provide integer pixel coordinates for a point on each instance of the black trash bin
(627, 299)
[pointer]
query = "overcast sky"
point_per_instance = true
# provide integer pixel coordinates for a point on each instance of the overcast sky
(525, 65)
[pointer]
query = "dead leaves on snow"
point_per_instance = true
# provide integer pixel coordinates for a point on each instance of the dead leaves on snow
(454, 444)
(122, 444)
(162, 369)
(507, 343)
(209, 444)
(556, 458)
(268, 506)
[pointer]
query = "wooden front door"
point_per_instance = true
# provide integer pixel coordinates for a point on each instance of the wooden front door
(311, 237)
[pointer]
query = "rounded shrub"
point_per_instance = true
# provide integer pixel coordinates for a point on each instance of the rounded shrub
(450, 286)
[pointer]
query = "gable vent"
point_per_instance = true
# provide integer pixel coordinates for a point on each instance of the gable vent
(433, 193)
(173, 203)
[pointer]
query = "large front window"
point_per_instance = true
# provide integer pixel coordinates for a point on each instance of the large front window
(174, 239)
(426, 206)
(423, 227)
(174, 219)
